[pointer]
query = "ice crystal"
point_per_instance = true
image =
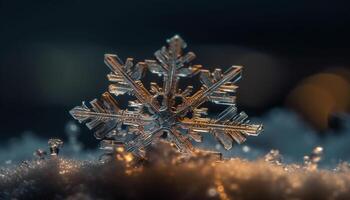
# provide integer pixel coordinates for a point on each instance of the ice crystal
(55, 145)
(274, 157)
(166, 112)
(40, 154)
(311, 161)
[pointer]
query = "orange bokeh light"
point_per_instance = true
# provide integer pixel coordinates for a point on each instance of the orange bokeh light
(320, 95)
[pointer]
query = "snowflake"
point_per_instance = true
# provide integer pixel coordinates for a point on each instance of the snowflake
(168, 113)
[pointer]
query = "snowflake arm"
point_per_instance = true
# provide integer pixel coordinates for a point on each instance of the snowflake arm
(137, 88)
(104, 116)
(171, 65)
(142, 141)
(210, 86)
(226, 127)
(180, 141)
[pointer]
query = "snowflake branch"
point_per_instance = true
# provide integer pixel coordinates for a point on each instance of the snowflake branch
(140, 92)
(180, 141)
(142, 141)
(105, 116)
(199, 97)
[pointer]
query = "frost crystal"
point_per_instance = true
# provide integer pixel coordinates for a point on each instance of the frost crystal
(311, 161)
(55, 145)
(166, 112)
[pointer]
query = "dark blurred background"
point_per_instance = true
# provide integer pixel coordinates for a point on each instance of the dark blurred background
(295, 54)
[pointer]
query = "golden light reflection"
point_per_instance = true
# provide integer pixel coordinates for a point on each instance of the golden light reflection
(197, 177)
(67, 166)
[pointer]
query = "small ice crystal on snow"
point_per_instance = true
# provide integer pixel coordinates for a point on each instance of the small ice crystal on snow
(311, 161)
(166, 112)
(274, 157)
(40, 154)
(55, 145)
